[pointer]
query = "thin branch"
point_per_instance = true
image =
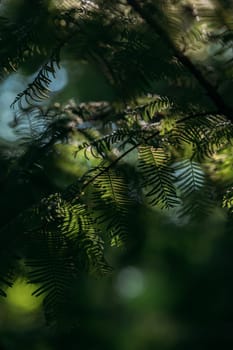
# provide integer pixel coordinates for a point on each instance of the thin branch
(195, 115)
(111, 165)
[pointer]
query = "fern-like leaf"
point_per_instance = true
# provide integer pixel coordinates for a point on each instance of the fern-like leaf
(39, 88)
(47, 256)
(89, 246)
(157, 176)
(64, 242)
(112, 203)
(194, 191)
(205, 134)
(190, 177)
(150, 111)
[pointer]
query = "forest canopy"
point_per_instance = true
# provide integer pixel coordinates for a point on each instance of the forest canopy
(120, 162)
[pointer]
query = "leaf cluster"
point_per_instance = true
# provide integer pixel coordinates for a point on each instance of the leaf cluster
(147, 148)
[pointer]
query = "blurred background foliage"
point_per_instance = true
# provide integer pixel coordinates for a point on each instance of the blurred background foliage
(171, 288)
(171, 291)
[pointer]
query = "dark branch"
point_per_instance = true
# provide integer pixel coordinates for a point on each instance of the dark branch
(211, 91)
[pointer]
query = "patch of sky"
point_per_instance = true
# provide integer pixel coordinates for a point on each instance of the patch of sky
(9, 89)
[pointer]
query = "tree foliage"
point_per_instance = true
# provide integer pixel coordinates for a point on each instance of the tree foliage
(169, 67)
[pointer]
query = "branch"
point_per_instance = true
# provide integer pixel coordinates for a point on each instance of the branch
(111, 165)
(185, 60)
(195, 115)
(136, 145)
